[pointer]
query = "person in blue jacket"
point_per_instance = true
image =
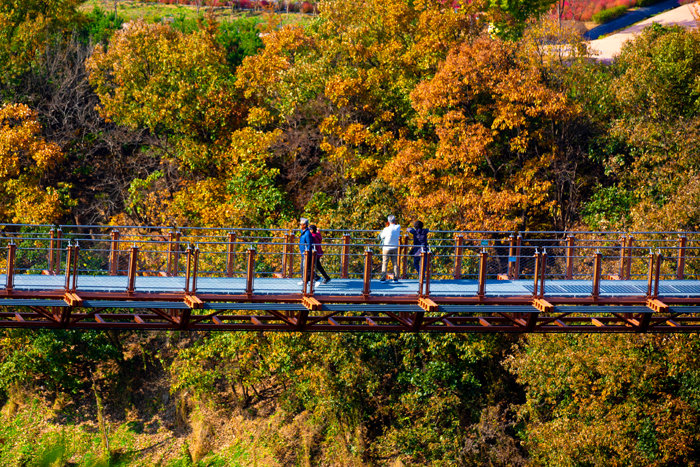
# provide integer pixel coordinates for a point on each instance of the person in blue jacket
(305, 244)
(420, 242)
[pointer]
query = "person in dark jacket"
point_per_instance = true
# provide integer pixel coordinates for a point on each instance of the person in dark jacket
(317, 241)
(420, 242)
(305, 244)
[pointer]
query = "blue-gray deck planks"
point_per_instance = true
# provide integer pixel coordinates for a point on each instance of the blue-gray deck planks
(353, 287)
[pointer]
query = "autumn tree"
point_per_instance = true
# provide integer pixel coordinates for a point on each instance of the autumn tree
(492, 139)
(651, 117)
(27, 159)
(27, 28)
(610, 399)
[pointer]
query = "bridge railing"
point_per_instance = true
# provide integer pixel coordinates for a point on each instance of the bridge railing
(163, 251)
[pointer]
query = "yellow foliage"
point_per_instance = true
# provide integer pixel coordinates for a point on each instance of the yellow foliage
(25, 160)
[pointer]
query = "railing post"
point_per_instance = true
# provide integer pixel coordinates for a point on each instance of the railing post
(76, 253)
(305, 258)
(345, 256)
(290, 256)
(114, 253)
(170, 267)
(367, 277)
(538, 266)
(133, 257)
(650, 274)
(175, 251)
(69, 266)
(51, 248)
(597, 271)
(428, 272)
(511, 256)
(312, 270)
(285, 253)
(623, 256)
(403, 255)
(459, 247)
(680, 265)
(195, 269)
(518, 242)
(657, 273)
(250, 272)
(543, 271)
(421, 273)
(10, 279)
(483, 256)
(570, 242)
(628, 265)
(231, 254)
(57, 259)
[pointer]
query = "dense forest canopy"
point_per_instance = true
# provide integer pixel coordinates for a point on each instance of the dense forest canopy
(466, 115)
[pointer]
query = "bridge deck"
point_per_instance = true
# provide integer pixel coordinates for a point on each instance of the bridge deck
(354, 287)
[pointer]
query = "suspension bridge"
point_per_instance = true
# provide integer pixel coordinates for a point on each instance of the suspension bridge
(163, 278)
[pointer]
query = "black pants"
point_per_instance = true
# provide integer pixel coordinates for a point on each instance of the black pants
(416, 263)
(319, 268)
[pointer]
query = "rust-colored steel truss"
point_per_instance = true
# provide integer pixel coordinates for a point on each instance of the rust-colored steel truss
(188, 286)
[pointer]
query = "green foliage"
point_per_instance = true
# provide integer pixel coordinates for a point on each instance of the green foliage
(413, 394)
(608, 208)
(601, 399)
(100, 26)
(240, 38)
(60, 361)
(609, 14)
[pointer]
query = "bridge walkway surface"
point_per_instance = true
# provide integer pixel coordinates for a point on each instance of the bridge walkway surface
(93, 277)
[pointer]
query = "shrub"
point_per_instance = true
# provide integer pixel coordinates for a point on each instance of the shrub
(607, 15)
(647, 2)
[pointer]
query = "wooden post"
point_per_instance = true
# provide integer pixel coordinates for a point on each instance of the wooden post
(52, 246)
(312, 270)
(623, 256)
(483, 256)
(250, 272)
(175, 251)
(543, 271)
(428, 272)
(518, 242)
(345, 256)
(367, 273)
(421, 273)
(290, 257)
(10, 279)
(57, 259)
(69, 266)
(76, 253)
(305, 258)
(650, 275)
(231, 254)
(538, 265)
(195, 269)
(133, 257)
(511, 255)
(680, 265)
(628, 265)
(114, 253)
(403, 255)
(597, 271)
(657, 273)
(570, 242)
(459, 248)
(188, 268)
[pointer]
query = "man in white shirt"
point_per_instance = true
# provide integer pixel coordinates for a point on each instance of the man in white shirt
(390, 247)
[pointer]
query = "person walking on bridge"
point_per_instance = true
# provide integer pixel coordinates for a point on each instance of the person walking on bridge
(420, 243)
(390, 247)
(317, 241)
(305, 244)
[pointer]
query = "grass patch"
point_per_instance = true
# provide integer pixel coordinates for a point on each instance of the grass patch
(609, 14)
(155, 12)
